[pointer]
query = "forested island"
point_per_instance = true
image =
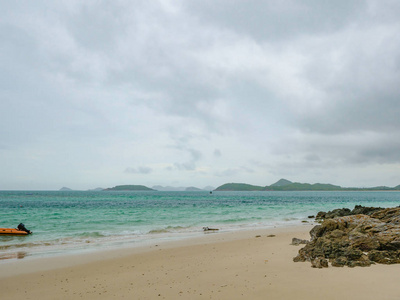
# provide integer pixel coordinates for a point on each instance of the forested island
(286, 185)
(129, 188)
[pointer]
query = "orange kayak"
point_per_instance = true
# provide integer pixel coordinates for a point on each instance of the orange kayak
(12, 231)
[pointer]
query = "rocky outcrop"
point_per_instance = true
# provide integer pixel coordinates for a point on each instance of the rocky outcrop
(342, 212)
(296, 241)
(355, 240)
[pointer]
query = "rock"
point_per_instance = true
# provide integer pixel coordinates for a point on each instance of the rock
(311, 217)
(271, 235)
(319, 263)
(320, 215)
(388, 215)
(296, 241)
(340, 261)
(341, 212)
(354, 240)
(314, 231)
(362, 210)
(384, 257)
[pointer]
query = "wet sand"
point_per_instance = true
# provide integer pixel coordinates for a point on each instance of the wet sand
(241, 265)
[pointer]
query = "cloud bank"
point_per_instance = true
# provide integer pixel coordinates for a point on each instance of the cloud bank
(199, 93)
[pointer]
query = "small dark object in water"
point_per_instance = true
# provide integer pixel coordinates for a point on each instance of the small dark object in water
(210, 229)
(311, 217)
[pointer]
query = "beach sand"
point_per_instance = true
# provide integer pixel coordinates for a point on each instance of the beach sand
(216, 266)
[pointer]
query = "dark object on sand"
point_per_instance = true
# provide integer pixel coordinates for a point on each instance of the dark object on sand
(210, 229)
(296, 241)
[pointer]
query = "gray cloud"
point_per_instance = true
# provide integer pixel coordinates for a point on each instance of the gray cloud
(278, 20)
(217, 153)
(190, 165)
(232, 172)
(139, 170)
(306, 89)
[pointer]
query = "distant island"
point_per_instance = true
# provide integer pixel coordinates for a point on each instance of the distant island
(65, 189)
(193, 189)
(145, 188)
(286, 185)
(129, 188)
(239, 187)
(181, 188)
(280, 185)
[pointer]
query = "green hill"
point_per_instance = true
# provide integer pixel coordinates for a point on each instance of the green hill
(281, 182)
(193, 189)
(239, 187)
(296, 186)
(129, 188)
(286, 185)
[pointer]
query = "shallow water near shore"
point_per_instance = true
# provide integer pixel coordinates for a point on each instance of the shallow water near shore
(80, 221)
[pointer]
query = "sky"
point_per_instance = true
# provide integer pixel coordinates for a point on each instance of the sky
(197, 93)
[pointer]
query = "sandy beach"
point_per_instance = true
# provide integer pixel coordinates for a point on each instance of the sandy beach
(241, 265)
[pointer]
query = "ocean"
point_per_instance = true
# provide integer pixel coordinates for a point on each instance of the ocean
(81, 221)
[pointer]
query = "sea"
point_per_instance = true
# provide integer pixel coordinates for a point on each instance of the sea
(65, 222)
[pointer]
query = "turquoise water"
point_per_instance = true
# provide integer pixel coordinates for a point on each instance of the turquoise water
(85, 221)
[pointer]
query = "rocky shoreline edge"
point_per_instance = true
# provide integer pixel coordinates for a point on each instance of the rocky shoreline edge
(353, 238)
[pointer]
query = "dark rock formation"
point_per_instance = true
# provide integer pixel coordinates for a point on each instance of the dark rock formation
(342, 212)
(355, 240)
(296, 241)
(319, 263)
(363, 210)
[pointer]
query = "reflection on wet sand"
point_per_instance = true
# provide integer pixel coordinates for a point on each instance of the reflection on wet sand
(16, 255)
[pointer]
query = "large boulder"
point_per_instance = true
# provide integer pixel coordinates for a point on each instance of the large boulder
(355, 240)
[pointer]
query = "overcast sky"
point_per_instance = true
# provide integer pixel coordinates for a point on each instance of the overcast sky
(196, 93)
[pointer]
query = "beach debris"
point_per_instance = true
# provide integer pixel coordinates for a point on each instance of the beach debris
(257, 236)
(210, 229)
(355, 240)
(296, 241)
(271, 235)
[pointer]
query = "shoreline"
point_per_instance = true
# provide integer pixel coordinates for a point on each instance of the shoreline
(19, 266)
(233, 265)
(90, 247)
